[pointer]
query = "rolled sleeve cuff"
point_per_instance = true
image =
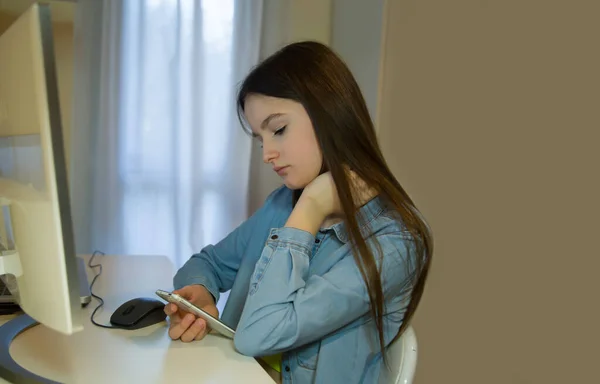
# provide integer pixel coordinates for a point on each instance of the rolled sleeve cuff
(293, 237)
(178, 284)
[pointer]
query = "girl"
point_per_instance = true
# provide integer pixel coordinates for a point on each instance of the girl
(331, 269)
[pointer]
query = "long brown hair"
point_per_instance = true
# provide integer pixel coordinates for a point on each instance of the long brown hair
(312, 74)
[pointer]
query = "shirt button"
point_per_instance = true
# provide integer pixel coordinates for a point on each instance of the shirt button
(274, 237)
(287, 368)
(317, 241)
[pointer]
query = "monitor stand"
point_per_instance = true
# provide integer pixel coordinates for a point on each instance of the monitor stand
(10, 370)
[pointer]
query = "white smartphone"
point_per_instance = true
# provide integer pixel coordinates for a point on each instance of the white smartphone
(185, 305)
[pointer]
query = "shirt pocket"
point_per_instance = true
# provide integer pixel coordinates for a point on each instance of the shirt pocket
(308, 355)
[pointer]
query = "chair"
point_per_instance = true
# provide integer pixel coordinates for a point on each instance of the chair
(402, 359)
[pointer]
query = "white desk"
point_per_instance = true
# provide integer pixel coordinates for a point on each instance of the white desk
(148, 355)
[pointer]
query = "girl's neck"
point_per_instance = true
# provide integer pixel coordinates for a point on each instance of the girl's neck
(330, 221)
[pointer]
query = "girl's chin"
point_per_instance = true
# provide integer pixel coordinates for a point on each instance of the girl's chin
(294, 185)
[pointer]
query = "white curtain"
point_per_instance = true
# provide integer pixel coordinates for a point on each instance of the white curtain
(159, 163)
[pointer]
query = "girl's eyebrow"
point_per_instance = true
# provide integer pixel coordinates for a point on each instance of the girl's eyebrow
(266, 121)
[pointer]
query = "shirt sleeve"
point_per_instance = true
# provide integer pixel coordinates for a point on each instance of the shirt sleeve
(215, 266)
(286, 308)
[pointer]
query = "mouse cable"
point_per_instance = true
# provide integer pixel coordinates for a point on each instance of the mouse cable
(96, 296)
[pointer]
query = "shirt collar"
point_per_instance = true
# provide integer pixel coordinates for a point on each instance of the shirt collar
(365, 215)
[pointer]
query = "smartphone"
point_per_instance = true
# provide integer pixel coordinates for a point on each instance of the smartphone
(185, 305)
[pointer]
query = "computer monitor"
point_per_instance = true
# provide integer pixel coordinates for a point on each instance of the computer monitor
(37, 235)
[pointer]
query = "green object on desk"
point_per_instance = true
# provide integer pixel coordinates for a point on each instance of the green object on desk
(273, 361)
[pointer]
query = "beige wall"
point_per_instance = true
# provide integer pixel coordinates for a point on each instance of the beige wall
(5, 21)
(490, 119)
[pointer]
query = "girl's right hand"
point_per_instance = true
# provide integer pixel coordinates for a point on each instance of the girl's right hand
(184, 325)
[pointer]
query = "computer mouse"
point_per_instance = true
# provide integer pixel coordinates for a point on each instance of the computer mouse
(138, 313)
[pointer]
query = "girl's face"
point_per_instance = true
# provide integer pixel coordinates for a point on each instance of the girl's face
(287, 136)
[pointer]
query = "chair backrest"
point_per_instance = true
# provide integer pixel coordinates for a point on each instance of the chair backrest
(402, 359)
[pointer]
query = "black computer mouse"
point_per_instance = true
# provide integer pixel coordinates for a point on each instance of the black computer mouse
(139, 313)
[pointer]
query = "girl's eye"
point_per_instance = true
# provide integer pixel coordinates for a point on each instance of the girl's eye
(280, 130)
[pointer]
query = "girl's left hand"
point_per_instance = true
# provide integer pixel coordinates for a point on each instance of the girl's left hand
(323, 193)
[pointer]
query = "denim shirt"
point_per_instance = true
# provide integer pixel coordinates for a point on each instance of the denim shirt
(303, 296)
